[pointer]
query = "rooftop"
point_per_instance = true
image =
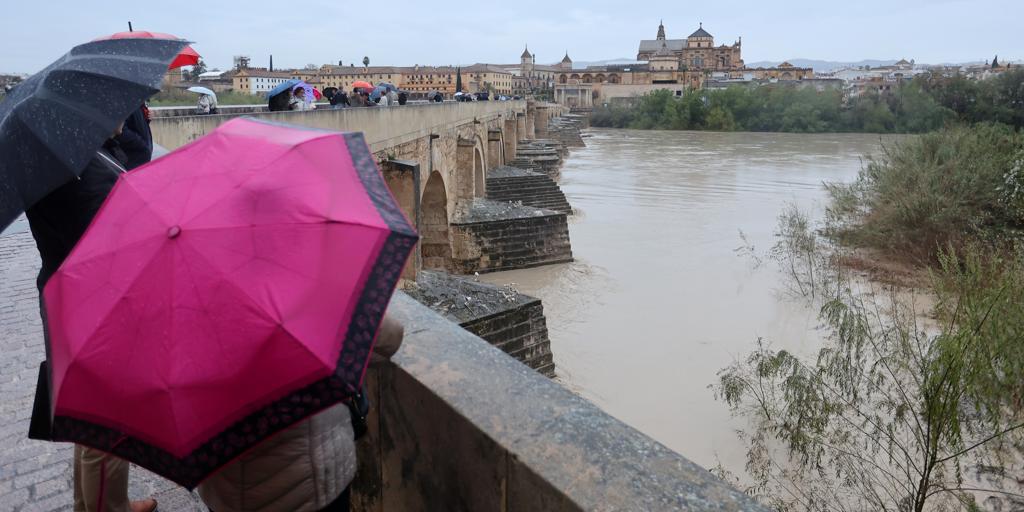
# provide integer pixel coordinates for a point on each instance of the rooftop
(700, 32)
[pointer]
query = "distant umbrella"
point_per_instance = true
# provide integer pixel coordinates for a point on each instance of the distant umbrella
(308, 93)
(377, 92)
(52, 123)
(362, 85)
(202, 90)
(287, 85)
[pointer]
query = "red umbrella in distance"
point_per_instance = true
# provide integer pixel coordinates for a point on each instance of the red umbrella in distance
(362, 85)
(224, 292)
(187, 56)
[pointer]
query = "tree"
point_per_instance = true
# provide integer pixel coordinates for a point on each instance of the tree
(458, 79)
(995, 62)
(889, 416)
(366, 62)
(197, 70)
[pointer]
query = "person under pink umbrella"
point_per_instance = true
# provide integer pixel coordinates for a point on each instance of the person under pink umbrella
(258, 263)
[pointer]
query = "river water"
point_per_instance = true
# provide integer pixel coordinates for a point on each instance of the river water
(658, 300)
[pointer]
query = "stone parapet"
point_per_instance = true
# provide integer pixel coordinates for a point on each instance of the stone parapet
(459, 425)
(493, 236)
(384, 127)
(507, 319)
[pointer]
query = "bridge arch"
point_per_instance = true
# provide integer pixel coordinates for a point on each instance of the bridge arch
(479, 181)
(435, 242)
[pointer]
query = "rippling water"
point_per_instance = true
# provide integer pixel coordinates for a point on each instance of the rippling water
(658, 300)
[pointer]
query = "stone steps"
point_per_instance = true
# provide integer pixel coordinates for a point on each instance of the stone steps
(513, 243)
(516, 326)
(536, 190)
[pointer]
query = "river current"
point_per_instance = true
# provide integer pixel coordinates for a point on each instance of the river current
(659, 299)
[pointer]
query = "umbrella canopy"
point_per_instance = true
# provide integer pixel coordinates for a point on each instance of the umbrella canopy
(388, 86)
(362, 85)
(287, 85)
(317, 94)
(308, 93)
(186, 57)
(202, 90)
(223, 293)
(52, 123)
(377, 91)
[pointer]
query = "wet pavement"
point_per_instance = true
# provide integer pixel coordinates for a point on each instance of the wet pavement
(35, 475)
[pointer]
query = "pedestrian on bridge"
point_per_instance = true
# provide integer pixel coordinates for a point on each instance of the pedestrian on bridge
(58, 163)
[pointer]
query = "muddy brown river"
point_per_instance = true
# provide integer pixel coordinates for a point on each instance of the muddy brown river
(658, 300)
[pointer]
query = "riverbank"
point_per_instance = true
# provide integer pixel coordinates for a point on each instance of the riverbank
(903, 404)
(927, 103)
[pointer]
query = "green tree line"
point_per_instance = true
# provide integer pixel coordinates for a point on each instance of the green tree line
(921, 105)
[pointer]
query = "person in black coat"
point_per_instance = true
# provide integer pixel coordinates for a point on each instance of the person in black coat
(57, 222)
(136, 139)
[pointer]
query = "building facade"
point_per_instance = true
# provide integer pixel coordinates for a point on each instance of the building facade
(697, 52)
(487, 78)
(257, 80)
(343, 77)
(670, 64)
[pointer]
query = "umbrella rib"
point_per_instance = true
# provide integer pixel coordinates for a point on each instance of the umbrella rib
(103, 317)
(255, 172)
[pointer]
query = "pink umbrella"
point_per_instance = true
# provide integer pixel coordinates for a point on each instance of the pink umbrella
(223, 292)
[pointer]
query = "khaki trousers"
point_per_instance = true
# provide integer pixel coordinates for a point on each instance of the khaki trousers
(101, 481)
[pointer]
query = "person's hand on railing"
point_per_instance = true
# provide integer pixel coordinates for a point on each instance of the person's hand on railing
(389, 340)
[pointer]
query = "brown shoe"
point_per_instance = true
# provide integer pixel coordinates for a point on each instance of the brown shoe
(146, 505)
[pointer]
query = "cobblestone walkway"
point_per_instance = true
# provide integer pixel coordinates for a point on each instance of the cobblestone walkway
(36, 476)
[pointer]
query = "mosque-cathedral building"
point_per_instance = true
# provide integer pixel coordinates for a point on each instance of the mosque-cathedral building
(662, 63)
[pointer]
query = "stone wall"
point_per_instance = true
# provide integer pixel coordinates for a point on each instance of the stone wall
(509, 320)
(458, 425)
(496, 236)
(521, 332)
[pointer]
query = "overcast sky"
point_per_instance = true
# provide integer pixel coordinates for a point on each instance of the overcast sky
(34, 33)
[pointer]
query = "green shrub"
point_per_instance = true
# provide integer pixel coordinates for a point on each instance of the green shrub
(944, 189)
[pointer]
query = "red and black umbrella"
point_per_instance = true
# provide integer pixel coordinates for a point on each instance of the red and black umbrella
(186, 57)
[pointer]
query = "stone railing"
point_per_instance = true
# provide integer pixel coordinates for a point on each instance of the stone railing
(384, 127)
(459, 425)
(186, 111)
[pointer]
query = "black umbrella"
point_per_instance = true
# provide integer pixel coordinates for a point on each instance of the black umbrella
(52, 123)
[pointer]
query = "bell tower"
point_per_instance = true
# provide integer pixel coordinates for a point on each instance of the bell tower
(661, 30)
(526, 62)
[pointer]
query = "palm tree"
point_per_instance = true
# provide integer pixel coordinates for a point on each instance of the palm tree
(366, 62)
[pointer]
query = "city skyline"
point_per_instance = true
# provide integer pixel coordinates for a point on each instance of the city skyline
(404, 33)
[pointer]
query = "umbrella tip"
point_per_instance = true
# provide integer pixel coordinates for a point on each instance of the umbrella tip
(130, 27)
(173, 232)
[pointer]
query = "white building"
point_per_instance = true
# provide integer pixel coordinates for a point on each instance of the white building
(258, 81)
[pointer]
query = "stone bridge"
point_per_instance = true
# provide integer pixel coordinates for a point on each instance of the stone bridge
(456, 424)
(435, 156)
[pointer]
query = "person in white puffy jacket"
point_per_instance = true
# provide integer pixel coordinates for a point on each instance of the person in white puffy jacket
(305, 468)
